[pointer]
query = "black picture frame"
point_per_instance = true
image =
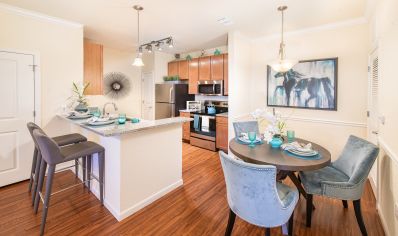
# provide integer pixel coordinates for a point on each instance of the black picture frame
(335, 87)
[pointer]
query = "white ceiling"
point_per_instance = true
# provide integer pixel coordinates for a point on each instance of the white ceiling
(192, 23)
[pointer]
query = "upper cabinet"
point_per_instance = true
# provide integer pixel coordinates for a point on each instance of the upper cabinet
(173, 68)
(202, 68)
(217, 67)
(205, 68)
(93, 68)
(183, 69)
(193, 76)
(225, 74)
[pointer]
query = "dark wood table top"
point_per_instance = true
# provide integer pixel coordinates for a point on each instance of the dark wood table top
(266, 155)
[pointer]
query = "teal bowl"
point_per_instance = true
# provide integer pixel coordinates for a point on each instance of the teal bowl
(276, 142)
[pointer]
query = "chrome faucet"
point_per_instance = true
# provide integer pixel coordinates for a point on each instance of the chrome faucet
(112, 103)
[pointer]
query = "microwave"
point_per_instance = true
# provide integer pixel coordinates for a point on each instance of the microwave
(210, 87)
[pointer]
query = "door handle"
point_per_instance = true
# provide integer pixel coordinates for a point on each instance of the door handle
(375, 132)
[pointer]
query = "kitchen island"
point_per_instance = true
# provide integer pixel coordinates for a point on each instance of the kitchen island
(143, 161)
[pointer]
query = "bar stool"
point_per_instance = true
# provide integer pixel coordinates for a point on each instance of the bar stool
(61, 141)
(52, 155)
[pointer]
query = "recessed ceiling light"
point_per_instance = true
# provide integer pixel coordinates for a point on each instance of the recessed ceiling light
(225, 21)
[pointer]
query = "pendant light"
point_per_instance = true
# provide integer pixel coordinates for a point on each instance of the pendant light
(138, 60)
(282, 64)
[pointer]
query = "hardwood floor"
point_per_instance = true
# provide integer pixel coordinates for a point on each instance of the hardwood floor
(197, 208)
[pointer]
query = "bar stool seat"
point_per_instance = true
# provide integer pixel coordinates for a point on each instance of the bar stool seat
(68, 139)
(53, 155)
(78, 150)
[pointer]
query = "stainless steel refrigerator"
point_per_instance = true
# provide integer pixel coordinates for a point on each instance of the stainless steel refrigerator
(170, 98)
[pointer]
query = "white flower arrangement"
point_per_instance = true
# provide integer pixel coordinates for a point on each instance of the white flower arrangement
(276, 125)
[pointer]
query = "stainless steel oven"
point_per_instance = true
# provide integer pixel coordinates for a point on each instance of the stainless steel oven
(203, 126)
(210, 87)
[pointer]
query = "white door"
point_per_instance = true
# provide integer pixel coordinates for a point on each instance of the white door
(148, 95)
(17, 108)
(373, 112)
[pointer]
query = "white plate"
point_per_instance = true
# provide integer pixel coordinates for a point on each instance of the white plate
(242, 139)
(306, 154)
(99, 123)
(79, 117)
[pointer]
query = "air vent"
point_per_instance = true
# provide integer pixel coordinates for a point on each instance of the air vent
(225, 21)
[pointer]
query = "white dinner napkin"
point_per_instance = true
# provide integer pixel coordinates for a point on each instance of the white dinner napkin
(98, 119)
(298, 146)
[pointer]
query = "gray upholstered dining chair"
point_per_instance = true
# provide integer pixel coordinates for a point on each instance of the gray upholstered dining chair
(255, 196)
(245, 126)
(343, 179)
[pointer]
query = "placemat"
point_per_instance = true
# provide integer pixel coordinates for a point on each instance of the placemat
(316, 157)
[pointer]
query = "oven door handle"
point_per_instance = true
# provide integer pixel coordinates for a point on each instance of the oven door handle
(210, 117)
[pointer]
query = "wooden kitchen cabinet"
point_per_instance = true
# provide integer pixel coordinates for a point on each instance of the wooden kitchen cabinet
(225, 67)
(217, 67)
(183, 70)
(173, 68)
(222, 133)
(186, 127)
(205, 68)
(93, 68)
(193, 76)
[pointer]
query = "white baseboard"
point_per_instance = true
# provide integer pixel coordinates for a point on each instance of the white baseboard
(373, 185)
(383, 220)
(133, 209)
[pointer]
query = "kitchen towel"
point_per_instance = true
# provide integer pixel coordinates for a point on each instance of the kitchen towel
(205, 123)
(196, 122)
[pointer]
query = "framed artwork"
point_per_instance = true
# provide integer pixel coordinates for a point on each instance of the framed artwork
(310, 84)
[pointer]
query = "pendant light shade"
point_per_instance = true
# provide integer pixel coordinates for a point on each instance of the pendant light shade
(138, 60)
(282, 64)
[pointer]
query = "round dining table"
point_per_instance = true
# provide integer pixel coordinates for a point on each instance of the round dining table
(286, 163)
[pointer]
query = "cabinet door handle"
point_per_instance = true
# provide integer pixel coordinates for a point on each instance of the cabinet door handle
(375, 132)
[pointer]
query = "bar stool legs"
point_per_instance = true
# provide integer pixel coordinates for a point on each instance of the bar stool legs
(43, 167)
(36, 176)
(32, 171)
(101, 165)
(49, 181)
(101, 168)
(89, 166)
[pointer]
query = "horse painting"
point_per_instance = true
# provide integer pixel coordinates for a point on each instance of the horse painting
(310, 84)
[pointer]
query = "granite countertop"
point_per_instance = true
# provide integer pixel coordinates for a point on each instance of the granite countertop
(128, 127)
(225, 114)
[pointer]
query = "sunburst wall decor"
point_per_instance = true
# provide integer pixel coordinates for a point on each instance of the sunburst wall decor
(116, 85)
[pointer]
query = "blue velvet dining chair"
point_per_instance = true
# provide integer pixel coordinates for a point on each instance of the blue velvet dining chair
(245, 127)
(255, 196)
(343, 179)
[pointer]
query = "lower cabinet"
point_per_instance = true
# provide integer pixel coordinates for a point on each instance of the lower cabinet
(222, 133)
(186, 127)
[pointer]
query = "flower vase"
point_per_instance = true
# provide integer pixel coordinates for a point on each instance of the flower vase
(81, 107)
(276, 141)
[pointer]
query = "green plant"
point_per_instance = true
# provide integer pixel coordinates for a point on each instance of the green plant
(78, 93)
(171, 78)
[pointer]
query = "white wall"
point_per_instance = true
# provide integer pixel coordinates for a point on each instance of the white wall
(60, 46)
(350, 44)
(160, 68)
(120, 61)
(384, 35)
(239, 71)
